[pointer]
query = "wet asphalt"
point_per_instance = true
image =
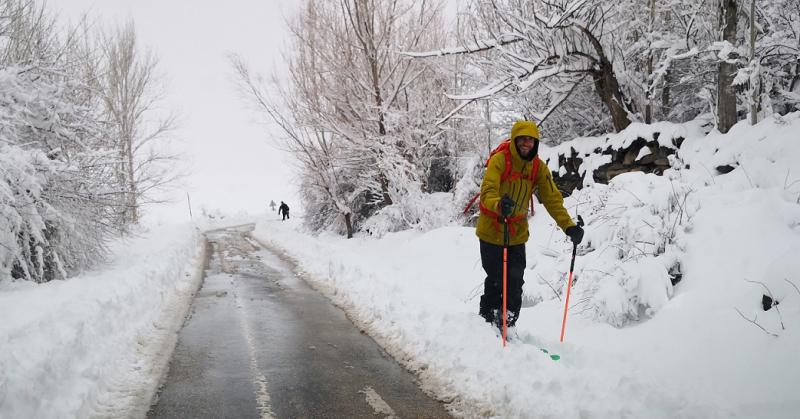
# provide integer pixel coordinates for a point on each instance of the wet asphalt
(260, 343)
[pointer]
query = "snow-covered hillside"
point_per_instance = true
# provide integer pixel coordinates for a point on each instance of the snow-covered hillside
(636, 345)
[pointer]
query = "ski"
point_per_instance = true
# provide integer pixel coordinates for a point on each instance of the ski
(514, 337)
(554, 357)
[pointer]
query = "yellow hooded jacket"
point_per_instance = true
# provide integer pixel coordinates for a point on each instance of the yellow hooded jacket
(520, 190)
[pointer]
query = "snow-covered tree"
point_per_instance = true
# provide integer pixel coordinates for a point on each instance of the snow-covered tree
(364, 108)
(772, 74)
(60, 191)
(362, 116)
(641, 60)
(550, 48)
(57, 193)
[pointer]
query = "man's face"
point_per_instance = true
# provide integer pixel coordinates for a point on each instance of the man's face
(525, 144)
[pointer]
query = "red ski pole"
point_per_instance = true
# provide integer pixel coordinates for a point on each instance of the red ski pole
(505, 278)
(569, 282)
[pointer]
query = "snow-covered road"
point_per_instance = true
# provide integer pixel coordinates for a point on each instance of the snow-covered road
(261, 343)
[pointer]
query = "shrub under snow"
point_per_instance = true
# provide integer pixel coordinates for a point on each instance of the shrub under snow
(47, 230)
(638, 225)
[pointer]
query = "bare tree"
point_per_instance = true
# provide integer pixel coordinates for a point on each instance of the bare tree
(316, 155)
(28, 30)
(131, 91)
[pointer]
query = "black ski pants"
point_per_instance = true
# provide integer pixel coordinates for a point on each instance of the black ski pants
(491, 306)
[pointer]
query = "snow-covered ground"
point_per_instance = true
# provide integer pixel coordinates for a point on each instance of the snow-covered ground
(635, 345)
(96, 345)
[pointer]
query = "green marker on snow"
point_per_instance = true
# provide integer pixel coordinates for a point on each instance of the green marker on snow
(554, 357)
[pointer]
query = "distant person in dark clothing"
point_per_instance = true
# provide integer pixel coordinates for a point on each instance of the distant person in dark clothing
(283, 209)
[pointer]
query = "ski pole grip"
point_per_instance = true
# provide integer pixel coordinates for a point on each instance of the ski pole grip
(580, 221)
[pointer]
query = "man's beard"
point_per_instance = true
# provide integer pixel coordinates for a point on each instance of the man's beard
(531, 154)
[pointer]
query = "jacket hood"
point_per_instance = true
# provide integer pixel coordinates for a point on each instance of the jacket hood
(526, 128)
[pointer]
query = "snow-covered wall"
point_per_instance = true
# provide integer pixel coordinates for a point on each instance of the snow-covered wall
(640, 147)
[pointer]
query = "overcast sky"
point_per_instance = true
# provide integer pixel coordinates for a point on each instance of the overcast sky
(234, 165)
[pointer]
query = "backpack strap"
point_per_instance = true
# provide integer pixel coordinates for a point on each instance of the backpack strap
(534, 170)
(532, 177)
(471, 202)
(507, 172)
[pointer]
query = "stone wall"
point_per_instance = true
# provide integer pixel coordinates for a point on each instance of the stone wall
(623, 160)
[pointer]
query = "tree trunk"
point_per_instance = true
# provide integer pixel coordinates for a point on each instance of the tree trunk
(793, 84)
(387, 199)
(648, 107)
(755, 91)
(364, 26)
(131, 207)
(727, 71)
(666, 105)
(607, 86)
(349, 223)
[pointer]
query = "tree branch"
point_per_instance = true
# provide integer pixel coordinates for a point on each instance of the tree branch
(775, 306)
(475, 46)
(754, 322)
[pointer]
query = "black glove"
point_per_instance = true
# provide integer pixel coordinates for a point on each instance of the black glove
(575, 233)
(506, 206)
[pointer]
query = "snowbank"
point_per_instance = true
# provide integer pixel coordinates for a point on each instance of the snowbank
(637, 345)
(96, 345)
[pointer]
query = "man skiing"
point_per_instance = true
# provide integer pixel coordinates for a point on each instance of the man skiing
(512, 174)
(283, 209)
